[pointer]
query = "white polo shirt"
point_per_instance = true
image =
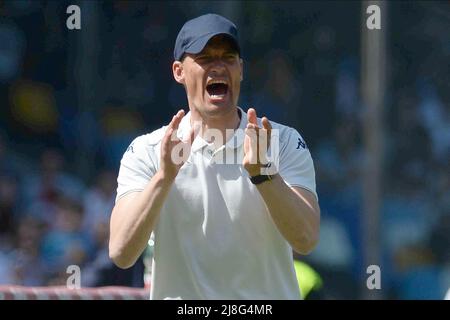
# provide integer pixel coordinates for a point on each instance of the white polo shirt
(215, 238)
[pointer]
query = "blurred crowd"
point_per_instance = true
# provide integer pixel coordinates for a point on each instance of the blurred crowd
(59, 157)
(50, 219)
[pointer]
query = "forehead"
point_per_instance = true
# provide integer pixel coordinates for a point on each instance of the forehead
(220, 42)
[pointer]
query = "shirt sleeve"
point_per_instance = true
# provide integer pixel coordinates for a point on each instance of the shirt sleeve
(296, 164)
(136, 168)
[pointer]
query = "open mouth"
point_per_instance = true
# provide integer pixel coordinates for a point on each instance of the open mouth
(217, 90)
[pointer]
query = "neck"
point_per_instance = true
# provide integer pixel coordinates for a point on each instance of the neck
(223, 123)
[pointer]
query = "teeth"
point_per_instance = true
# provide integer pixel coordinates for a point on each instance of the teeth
(217, 81)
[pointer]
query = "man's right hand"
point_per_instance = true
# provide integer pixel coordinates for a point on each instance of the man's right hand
(134, 216)
(175, 152)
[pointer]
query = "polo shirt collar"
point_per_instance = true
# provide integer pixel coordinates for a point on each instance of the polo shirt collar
(238, 137)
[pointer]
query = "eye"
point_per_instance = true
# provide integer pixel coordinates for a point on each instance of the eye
(201, 59)
(230, 57)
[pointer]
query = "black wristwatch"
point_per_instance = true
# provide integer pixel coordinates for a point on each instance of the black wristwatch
(260, 178)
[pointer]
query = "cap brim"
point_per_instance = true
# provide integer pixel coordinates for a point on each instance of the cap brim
(197, 46)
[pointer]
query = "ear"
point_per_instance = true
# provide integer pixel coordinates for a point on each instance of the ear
(178, 71)
(242, 68)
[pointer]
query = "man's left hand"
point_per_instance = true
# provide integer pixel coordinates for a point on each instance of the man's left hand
(256, 144)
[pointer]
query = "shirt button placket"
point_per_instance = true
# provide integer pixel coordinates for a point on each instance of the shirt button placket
(210, 155)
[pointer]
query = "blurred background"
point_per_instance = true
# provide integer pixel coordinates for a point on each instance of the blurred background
(373, 106)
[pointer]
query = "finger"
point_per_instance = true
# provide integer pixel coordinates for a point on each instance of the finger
(177, 119)
(251, 116)
(263, 145)
(252, 145)
(252, 126)
(252, 130)
(170, 126)
(168, 135)
(268, 127)
(173, 126)
(266, 124)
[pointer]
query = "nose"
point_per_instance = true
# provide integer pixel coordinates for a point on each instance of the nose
(217, 67)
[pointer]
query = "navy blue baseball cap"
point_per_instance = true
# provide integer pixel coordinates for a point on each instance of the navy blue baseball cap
(195, 34)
